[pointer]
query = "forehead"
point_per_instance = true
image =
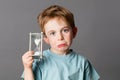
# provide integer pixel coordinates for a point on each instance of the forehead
(57, 20)
(56, 23)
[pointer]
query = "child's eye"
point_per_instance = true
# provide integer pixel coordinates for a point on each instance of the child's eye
(52, 33)
(66, 30)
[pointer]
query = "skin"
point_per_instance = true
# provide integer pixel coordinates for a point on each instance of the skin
(27, 63)
(58, 35)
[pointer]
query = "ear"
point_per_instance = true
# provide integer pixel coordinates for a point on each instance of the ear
(46, 40)
(74, 32)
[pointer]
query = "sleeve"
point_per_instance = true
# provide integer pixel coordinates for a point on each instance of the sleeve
(36, 71)
(22, 76)
(90, 73)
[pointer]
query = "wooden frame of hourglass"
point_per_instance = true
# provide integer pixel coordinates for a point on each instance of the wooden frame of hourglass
(37, 40)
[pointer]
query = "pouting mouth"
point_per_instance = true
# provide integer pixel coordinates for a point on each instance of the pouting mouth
(62, 45)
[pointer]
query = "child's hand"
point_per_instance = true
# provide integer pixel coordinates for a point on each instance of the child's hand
(27, 59)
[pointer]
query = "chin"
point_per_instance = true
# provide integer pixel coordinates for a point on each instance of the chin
(63, 49)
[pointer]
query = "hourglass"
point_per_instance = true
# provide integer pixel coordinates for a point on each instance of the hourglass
(35, 44)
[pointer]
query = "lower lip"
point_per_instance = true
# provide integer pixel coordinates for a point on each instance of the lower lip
(62, 45)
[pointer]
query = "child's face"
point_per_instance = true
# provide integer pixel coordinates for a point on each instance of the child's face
(59, 35)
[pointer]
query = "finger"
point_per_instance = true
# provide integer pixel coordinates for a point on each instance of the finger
(30, 58)
(30, 53)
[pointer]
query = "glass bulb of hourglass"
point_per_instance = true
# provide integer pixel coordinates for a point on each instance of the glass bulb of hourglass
(35, 44)
(37, 41)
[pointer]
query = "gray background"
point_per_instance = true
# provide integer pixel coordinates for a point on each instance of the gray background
(98, 37)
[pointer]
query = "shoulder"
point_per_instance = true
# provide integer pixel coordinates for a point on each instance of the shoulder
(86, 66)
(46, 52)
(79, 56)
(81, 60)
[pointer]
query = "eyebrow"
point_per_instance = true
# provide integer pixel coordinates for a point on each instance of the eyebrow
(51, 31)
(61, 29)
(66, 27)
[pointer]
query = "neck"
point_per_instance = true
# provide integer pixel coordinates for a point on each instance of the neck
(61, 53)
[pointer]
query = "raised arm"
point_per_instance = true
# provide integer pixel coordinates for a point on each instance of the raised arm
(27, 63)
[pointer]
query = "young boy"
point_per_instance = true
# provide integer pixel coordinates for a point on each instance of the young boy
(60, 62)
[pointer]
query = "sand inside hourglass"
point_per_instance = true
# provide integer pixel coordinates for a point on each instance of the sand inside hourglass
(37, 42)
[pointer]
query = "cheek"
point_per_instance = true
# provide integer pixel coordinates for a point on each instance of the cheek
(52, 42)
(69, 38)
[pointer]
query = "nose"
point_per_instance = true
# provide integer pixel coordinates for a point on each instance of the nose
(60, 36)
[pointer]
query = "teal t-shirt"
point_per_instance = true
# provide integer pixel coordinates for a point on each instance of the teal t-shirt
(63, 67)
